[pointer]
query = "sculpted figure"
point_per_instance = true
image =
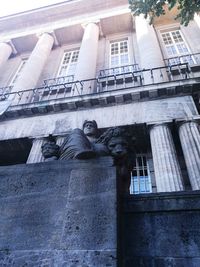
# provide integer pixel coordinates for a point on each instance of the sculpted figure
(81, 144)
(85, 144)
(120, 148)
(50, 150)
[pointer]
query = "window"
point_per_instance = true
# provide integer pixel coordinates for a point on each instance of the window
(18, 72)
(140, 176)
(68, 65)
(119, 55)
(176, 48)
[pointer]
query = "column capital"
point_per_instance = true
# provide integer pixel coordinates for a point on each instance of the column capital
(153, 124)
(10, 43)
(51, 33)
(195, 119)
(85, 24)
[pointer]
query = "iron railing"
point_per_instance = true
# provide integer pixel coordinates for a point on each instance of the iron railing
(59, 80)
(130, 79)
(191, 59)
(118, 70)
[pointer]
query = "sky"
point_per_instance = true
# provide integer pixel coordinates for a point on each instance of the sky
(8, 7)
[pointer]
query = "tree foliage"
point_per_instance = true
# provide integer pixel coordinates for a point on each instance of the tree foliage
(156, 8)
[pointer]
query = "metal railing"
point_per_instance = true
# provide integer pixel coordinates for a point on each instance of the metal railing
(130, 79)
(118, 70)
(59, 80)
(191, 59)
(4, 92)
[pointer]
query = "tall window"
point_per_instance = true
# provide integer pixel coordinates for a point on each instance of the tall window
(68, 64)
(18, 72)
(119, 55)
(140, 176)
(176, 47)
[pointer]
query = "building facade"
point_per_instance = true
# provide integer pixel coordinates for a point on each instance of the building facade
(78, 60)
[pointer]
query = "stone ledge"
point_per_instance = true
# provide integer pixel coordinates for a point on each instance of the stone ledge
(115, 97)
(166, 202)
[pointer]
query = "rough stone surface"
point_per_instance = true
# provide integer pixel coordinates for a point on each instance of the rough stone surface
(58, 214)
(162, 230)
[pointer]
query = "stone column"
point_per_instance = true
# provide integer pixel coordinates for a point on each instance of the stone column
(60, 140)
(87, 60)
(35, 64)
(167, 170)
(189, 134)
(5, 52)
(197, 19)
(35, 154)
(149, 49)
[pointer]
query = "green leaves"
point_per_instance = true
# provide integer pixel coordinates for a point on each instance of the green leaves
(155, 8)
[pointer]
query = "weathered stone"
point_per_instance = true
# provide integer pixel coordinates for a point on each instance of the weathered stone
(59, 213)
(161, 230)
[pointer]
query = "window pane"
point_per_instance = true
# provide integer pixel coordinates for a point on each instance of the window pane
(140, 181)
(176, 47)
(124, 59)
(18, 72)
(69, 62)
(119, 54)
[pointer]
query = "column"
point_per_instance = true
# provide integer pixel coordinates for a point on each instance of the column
(60, 140)
(35, 154)
(35, 64)
(149, 49)
(197, 19)
(189, 134)
(87, 60)
(167, 170)
(5, 52)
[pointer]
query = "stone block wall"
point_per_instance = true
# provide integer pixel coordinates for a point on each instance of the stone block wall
(58, 214)
(161, 230)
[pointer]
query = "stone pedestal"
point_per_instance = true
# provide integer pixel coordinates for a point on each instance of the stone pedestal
(33, 67)
(167, 170)
(190, 141)
(5, 52)
(87, 60)
(59, 213)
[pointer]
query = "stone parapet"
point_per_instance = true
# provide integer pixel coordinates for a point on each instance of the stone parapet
(62, 213)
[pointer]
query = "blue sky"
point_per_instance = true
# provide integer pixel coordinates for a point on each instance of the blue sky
(8, 7)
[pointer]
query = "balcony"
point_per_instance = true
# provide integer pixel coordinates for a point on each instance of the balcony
(115, 85)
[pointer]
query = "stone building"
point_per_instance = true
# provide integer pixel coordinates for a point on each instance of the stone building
(91, 59)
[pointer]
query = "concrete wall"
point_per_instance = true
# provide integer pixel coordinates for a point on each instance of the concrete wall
(161, 230)
(58, 214)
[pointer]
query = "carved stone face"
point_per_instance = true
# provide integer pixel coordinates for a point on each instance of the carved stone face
(118, 147)
(90, 129)
(49, 149)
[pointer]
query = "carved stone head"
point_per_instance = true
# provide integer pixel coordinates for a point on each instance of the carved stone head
(90, 128)
(116, 140)
(50, 149)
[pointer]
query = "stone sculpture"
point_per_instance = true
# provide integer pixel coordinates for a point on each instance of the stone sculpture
(81, 144)
(85, 144)
(50, 150)
(120, 147)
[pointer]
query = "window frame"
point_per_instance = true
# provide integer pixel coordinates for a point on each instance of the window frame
(61, 65)
(18, 71)
(177, 58)
(115, 38)
(147, 178)
(119, 54)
